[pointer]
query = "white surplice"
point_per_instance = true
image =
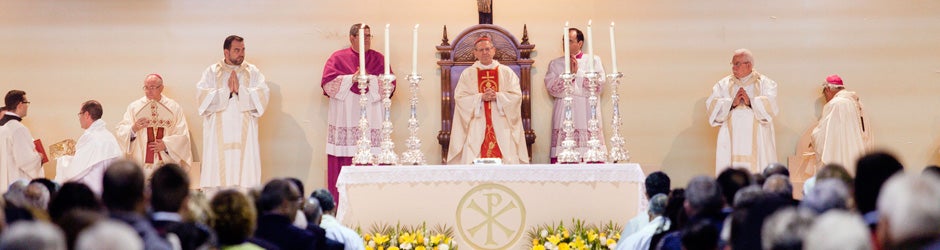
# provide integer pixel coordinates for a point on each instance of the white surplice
(231, 153)
(18, 156)
(94, 151)
(469, 123)
(343, 119)
(746, 137)
(165, 114)
(580, 107)
(843, 134)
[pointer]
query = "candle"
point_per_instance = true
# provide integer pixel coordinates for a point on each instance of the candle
(590, 40)
(387, 52)
(414, 51)
(362, 52)
(567, 51)
(613, 48)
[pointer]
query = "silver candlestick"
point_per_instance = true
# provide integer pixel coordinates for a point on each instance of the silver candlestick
(595, 152)
(364, 144)
(413, 156)
(388, 155)
(569, 152)
(618, 153)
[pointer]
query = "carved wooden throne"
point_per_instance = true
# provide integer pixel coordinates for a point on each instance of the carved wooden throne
(459, 56)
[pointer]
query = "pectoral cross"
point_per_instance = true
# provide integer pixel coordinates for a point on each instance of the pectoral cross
(488, 80)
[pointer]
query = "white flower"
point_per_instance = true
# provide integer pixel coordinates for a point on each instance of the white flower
(371, 243)
(549, 245)
(612, 246)
(406, 245)
(543, 233)
(443, 247)
(603, 240)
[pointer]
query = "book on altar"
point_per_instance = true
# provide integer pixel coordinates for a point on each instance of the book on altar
(488, 161)
(41, 150)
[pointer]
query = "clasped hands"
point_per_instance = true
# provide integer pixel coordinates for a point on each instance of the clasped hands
(741, 98)
(489, 95)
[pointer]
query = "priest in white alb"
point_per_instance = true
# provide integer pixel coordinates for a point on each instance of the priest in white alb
(154, 131)
(94, 151)
(19, 158)
(487, 112)
(744, 105)
(232, 96)
(843, 133)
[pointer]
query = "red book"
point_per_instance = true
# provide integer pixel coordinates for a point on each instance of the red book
(41, 151)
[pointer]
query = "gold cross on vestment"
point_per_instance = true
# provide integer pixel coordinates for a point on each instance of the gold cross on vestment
(488, 76)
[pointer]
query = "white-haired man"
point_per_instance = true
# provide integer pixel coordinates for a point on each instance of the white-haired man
(909, 213)
(843, 134)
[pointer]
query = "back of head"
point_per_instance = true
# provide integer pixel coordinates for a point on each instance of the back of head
(657, 183)
(71, 196)
(748, 196)
(835, 171)
(700, 235)
(32, 235)
(297, 183)
(122, 186)
(170, 187)
(776, 168)
(109, 235)
(12, 99)
(313, 211)
(93, 108)
(932, 169)
(908, 205)
(838, 229)
(49, 184)
(786, 228)
(731, 180)
(826, 195)
(275, 193)
(235, 217)
(703, 196)
(779, 185)
(75, 221)
(674, 208)
(16, 194)
(325, 198)
(37, 196)
(658, 204)
(872, 172)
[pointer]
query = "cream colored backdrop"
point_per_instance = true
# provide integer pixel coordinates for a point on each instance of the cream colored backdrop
(65, 52)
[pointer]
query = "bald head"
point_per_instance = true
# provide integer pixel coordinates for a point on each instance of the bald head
(153, 86)
(313, 211)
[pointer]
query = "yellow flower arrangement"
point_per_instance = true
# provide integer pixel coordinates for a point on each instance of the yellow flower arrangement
(578, 236)
(387, 237)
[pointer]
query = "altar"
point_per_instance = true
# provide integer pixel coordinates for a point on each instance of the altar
(490, 207)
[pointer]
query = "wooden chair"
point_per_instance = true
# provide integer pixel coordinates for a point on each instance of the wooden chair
(459, 56)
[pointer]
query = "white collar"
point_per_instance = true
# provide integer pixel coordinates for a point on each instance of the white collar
(11, 113)
(167, 216)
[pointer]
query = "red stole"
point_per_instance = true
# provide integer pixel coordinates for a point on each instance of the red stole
(488, 78)
(153, 134)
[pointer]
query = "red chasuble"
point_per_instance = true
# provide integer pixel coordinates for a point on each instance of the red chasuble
(488, 78)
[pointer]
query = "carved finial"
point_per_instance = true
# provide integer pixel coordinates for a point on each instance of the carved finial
(525, 35)
(444, 42)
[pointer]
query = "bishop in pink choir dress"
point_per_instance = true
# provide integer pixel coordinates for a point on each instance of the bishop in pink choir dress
(340, 86)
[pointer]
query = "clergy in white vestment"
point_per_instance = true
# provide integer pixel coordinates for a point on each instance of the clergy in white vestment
(232, 96)
(580, 91)
(843, 133)
(154, 131)
(658, 223)
(94, 151)
(744, 105)
(340, 86)
(18, 156)
(487, 112)
(335, 230)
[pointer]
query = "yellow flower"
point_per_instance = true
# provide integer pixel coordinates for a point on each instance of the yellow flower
(420, 248)
(611, 243)
(578, 243)
(406, 238)
(554, 239)
(369, 248)
(393, 248)
(566, 233)
(535, 242)
(367, 237)
(591, 235)
(436, 239)
(380, 239)
(538, 247)
(563, 246)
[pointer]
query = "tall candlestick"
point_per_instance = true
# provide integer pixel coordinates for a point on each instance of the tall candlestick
(613, 48)
(388, 53)
(362, 48)
(590, 40)
(567, 50)
(414, 51)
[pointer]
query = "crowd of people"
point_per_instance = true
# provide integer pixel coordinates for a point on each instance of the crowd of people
(164, 212)
(880, 207)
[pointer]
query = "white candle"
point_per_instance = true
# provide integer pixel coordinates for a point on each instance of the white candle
(590, 40)
(613, 48)
(362, 52)
(567, 50)
(414, 51)
(388, 53)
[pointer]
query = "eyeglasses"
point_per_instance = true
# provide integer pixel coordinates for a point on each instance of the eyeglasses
(153, 87)
(366, 35)
(25, 102)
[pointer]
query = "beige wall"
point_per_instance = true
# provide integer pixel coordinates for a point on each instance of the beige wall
(65, 52)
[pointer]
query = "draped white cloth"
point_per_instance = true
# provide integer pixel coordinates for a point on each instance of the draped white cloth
(842, 135)
(94, 151)
(18, 156)
(231, 153)
(165, 114)
(746, 137)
